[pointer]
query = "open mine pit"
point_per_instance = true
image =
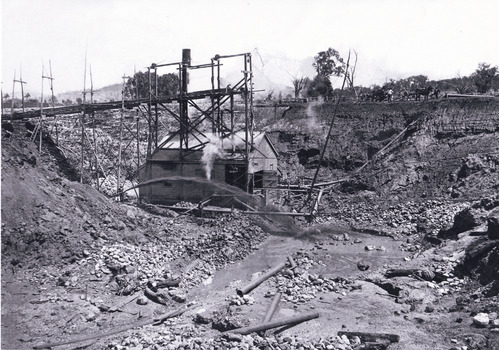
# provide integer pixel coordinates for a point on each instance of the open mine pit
(205, 220)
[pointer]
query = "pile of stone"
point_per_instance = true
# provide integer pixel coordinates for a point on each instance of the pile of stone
(484, 319)
(216, 244)
(184, 204)
(191, 338)
(298, 286)
(401, 219)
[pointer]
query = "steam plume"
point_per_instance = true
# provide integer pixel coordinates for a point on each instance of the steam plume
(210, 153)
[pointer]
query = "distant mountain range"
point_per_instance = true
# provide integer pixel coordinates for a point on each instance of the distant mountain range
(106, 93)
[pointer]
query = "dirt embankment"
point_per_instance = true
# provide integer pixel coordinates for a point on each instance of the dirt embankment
(447, 148)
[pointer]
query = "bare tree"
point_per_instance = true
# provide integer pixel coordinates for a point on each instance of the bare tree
(350, 76)
(299, 84)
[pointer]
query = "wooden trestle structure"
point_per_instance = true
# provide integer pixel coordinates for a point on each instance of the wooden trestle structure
(154, 106)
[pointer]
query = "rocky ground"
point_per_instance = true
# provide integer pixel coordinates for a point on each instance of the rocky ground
(80, 270)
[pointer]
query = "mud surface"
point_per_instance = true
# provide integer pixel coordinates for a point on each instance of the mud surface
(420, 264)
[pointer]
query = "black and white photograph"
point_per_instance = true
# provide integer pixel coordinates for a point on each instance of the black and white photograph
(249, 174)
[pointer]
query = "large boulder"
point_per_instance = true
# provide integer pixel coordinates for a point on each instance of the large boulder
(465, 220)
(493, 224)
(468, 219)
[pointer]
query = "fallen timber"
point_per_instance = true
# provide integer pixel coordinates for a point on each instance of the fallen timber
(274, 324)
(157, 320)
(253, 284)
(272, 307)
(371, 337)
(87, 108)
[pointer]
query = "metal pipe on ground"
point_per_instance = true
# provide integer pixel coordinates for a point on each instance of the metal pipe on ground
(272, 307)
(250, 286)
(292, 263)
(274, 324)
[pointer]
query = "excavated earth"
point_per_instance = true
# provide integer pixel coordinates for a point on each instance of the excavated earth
(407, 246)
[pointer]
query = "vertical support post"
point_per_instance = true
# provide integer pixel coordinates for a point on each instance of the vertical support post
(12, 97)
(53, 105)
(184, 112)
(232, 121)
(212, 97)
(156, 121)
(149, 113)
(219, 112)
(93, 130)
(82, 120)
(118, 181)
(246, 122)
(22, 87)
(251, 98)
(138, 139)
(40, 127)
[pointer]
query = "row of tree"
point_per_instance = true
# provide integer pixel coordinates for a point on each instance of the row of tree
(330, 63)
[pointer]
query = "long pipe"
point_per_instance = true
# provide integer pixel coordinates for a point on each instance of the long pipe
(252, 285)
(269, 325)
(272, 307)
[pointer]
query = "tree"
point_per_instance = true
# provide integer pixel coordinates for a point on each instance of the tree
(27, 95)
(299, 84)
(79, 101)
(328, 63)
(167, 84)
(350, 76)
(483, 77)
(319, 86)
(6, 96)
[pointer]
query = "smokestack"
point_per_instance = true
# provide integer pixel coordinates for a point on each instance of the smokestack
(184, 110)
(186, 57)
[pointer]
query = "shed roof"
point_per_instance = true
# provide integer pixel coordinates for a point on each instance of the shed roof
(197, 139)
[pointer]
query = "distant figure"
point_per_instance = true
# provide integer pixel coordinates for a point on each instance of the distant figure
(436, 92)
(390, 95)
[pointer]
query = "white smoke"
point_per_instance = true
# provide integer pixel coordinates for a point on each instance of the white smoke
(210, 153)
(312, 114)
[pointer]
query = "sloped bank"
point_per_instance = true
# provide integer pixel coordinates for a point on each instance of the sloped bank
(436, 148)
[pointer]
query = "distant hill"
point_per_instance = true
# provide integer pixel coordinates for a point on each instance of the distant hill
(106, 93)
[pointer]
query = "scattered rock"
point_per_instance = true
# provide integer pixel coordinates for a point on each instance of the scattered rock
(481, 320)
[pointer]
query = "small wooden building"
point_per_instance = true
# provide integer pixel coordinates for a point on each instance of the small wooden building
(173, 175)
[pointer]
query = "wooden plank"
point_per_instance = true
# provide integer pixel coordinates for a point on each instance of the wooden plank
(371, 337)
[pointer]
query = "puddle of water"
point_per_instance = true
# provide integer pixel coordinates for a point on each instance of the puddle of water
(340, 259)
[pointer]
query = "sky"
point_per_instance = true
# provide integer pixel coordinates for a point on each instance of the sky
(393, 38)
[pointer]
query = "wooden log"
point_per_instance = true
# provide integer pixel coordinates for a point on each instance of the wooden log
(274, 324)
(157, 320)
(253, 284)
(272, 307)
(156, 297)
(371, 337)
